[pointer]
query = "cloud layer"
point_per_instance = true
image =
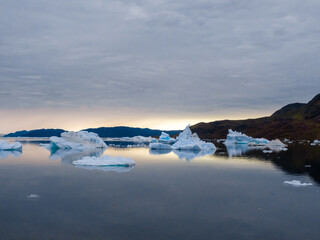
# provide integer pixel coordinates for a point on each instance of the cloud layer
(172, 57)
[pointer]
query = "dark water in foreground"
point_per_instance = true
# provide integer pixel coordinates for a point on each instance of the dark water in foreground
(162, 197)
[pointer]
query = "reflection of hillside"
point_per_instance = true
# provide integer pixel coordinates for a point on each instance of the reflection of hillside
(298, 159)
(5, 154)
(67, 156)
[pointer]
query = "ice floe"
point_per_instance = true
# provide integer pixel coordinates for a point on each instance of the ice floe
(5, 146)
(33, 196)
(77, 140)
(164, 137)
(187, 141)
(297, 183)
(238, 138)
(235, 137)
(137, 139)
(104, 161)
(315, 142)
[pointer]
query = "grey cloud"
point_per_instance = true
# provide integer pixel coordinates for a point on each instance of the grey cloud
(180, 56)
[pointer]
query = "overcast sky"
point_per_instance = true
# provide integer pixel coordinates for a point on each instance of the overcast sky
(157, 63)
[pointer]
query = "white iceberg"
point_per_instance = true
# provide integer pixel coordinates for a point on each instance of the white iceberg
(5, 146)
(159, 146)
(104, 161)
(77, 140)
(315, 142)
(235, 137)
(164, 137)
(297, 183)
(187, 141)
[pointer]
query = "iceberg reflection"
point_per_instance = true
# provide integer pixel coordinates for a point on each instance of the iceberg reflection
(118, 169)
(67, 156)
(5, 154)
(159, 151)
(191, 154)
(237, 149)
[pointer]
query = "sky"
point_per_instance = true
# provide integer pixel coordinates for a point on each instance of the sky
(153, 63)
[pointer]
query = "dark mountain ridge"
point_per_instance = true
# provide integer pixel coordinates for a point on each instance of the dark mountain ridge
(293, 121)
(102, 132)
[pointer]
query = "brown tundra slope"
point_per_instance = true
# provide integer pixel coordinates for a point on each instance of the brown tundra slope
(294, 121)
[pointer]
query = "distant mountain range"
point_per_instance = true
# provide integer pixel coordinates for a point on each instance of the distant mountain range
(293, 121)
(102, 132)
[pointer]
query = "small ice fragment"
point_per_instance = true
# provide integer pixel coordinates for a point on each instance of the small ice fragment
(307, 166)
(33, 196)
(297, 183)
(267, 151)
(4, 145)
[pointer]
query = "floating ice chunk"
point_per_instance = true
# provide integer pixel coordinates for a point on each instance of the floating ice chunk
(164, 137)
(33, 196)
(160, 146)
(77, 140)
(5, 146)
(138, 139)
(188, 141)
(105, 161)
(297, 183)
(234, 137)
(315, 142)
(267, 151)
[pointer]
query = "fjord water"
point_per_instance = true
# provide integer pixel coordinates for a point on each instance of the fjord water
(162, 197)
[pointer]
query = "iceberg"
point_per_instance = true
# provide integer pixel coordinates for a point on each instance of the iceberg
(235, 137)
(164, 137)
(315, 142)
(239, 138)
(104, 161)
(5, 146)
(77, 140)
(297, 183)
(187, 141)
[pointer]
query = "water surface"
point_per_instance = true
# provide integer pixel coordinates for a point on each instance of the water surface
(162, 197)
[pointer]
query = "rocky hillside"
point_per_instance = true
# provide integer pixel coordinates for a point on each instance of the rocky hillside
(293, 121)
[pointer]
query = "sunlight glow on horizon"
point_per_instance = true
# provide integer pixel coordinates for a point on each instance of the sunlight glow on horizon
(17, 120)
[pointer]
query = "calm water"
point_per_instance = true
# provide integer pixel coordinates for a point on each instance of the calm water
(162, 197)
